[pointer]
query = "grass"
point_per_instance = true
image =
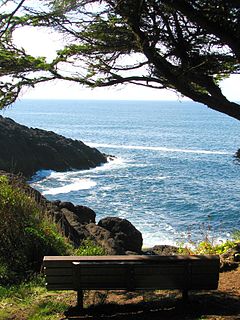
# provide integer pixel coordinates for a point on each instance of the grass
(32, 301)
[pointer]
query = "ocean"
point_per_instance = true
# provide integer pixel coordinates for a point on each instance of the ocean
(174, 177)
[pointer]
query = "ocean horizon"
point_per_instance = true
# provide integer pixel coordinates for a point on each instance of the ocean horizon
(174, 176)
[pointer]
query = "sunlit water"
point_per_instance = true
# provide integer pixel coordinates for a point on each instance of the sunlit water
(174, 177)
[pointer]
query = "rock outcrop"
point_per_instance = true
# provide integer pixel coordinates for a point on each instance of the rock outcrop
(115, 235)
(78, 223)
(231, 259)
(162, 250)
(27, 150)
(125, 235)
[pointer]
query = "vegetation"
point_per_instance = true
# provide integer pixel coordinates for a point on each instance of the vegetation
(30, 300)
(186, 46)
(88, 248)
(27, 234)
(209, 247)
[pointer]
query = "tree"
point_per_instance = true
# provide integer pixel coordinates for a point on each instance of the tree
(187, 46)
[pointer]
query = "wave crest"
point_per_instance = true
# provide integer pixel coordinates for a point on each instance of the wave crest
(162, 149)
(82, 184)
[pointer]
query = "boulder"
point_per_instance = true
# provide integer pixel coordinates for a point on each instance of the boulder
(72, 229)
(104, 238)
(124, 233)
(83, 213)
(27, 150)
(72, 220)
(230, 260)
(162, 250)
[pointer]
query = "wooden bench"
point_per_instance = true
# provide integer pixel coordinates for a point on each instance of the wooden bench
(140, 272)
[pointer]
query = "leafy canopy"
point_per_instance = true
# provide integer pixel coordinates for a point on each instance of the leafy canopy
(187, 46)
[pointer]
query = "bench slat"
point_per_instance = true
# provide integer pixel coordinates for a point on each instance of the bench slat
(58, 271)
(60, 279)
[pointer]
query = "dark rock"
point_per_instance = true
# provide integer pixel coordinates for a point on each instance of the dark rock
(56, 202)
(103, 237)
(124, 233)
(238, 154)
(85, 214)
(230, 260)
(162, 250)
(72, 228)
(27, 150)
(131, 253)
(67, 205)
(58, 216)
(228, 266)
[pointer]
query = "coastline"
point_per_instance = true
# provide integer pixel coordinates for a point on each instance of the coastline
(165, 186)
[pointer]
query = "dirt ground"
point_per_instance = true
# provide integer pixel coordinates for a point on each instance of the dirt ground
(222, 304)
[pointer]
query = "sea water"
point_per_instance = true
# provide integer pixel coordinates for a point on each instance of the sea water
(174, 177)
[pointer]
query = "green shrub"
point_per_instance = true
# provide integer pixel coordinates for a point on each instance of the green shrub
(208, 247)
(89, 248)
(26, 234)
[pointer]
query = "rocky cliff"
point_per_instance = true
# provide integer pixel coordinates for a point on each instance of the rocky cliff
(27, 150)
(77, 222)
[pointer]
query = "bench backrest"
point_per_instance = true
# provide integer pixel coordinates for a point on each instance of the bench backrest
(131, 272)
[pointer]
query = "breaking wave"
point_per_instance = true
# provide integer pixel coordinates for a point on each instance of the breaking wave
(81, 184)
(162, 149)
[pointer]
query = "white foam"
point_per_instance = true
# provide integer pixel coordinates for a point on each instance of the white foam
(63, 176)
(113, 163)
(81, 184)
(162, 149)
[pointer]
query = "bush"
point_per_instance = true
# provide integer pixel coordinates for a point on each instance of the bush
(89, 248)
(26, 234)
(208, 247)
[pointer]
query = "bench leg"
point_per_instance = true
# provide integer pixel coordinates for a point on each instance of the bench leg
(78, 309)
(185, 295)
(80, 299)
